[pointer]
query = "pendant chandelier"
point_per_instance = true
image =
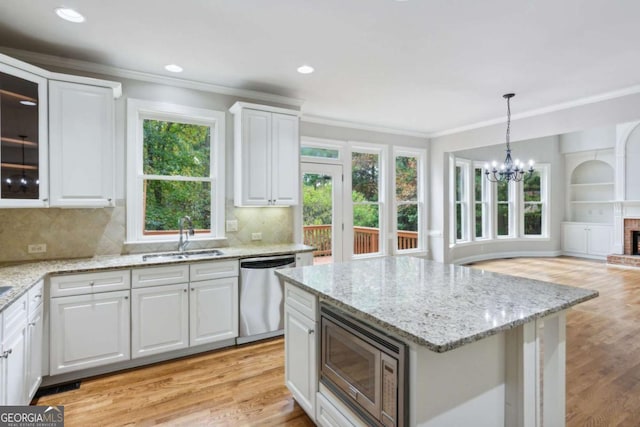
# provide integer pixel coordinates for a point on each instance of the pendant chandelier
(509, 170)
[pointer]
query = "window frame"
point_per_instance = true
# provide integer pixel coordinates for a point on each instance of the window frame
(140, 110)
(465, 201)
(485, 202)
(328, 144)
(382, 152)
(544, 170)
(421, 156)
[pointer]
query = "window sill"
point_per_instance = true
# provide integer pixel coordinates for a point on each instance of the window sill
(500, 240)
(162, 245)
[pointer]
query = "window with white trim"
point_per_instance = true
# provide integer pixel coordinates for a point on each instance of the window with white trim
(367, 196)
(461, 194)
(176, 168)
(504, 209)
(408, 166)
(535, 203)
(481, 203)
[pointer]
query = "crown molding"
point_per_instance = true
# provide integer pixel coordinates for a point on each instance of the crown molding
(361, 126)
(92, 67)
(632, 90)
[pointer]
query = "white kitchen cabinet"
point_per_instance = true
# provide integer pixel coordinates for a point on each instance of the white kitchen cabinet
(159, 319)
(24, 136)
(13, 355)
(304, 259)
(35, 333)
(89, 330)
(81, 145)
(587, 239)
(213, 310)
(301, 347)
(266, 150)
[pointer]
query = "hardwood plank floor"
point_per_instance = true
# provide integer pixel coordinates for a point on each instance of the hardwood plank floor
(244, 386)
(603, 337)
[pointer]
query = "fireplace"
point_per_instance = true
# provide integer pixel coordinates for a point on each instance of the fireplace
(631, 236)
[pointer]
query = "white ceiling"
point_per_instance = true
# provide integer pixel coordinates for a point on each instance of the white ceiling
(422, 65)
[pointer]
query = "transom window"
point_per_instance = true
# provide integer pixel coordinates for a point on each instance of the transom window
(176, 169)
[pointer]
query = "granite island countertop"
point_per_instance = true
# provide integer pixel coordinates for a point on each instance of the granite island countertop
(21, 277)
(439, 306)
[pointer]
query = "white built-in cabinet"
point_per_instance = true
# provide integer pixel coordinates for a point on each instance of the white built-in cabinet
(213, 304)
(81, 145)
(587, 239)
(266, 152)
(21, 346)
(35, 339)
(301, 347)
(89, 320)
(183, 305)
(591, 190)
(58, 149)
(13, 356)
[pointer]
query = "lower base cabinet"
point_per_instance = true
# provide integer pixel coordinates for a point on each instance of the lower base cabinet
(35, 331)
(88, 331)
(300, 358)
(213, 310)
(159, 319)
(587, 239)
(14, 367)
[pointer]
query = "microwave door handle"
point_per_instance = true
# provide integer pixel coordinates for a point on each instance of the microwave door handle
(353, 392)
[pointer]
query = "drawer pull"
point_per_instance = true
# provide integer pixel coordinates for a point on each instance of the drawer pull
(32, 324)
(91, 283)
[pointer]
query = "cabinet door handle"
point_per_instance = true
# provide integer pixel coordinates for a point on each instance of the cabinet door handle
(91, 283)
(185, 289)
(126, 297)
(193, 289)
(6, 354)
(45, 200)
(32, 324)
(37, 296)
(311, 332)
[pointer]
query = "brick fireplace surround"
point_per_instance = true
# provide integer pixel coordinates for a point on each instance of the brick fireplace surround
(630, 224)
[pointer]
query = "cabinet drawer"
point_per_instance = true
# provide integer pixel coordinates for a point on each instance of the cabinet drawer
(35, 295)
(213, 270)
(328, 415)
(303, 301)
(15, 316)
(156, 276)
(90, 283)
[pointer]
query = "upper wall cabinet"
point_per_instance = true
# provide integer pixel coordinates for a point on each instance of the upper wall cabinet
(23, 138)
(82, 145)
(266, 151)
(58, 146)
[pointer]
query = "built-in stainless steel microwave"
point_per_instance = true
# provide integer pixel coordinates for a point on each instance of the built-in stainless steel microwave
(364, 368)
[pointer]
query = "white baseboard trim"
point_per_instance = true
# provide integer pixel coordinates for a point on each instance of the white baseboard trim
(583, 255)
(510, 254)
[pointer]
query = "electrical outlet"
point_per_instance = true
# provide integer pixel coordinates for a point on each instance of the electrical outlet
(256, 236)
(232, 225)
(37, 248)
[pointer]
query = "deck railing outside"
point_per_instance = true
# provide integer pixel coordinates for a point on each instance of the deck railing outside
(365, 239)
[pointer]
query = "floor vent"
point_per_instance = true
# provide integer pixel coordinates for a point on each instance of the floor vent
(55, 389)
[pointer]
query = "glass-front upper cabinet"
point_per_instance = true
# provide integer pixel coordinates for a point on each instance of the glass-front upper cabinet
(23, 137)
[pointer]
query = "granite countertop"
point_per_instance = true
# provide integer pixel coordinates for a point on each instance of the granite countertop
(21, 277)
(439, 306)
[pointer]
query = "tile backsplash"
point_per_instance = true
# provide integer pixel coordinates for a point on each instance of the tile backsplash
(78, 233)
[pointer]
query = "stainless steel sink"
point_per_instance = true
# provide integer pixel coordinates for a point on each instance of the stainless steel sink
(4, 289)
(209, 253)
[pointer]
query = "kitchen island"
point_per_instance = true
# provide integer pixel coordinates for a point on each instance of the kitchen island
(474, 339)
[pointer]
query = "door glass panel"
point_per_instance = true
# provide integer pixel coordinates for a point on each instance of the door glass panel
(317, 215)
(353, 363)
(19, 138)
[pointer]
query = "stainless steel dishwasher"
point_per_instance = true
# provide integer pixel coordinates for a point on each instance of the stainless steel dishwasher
(261, 298)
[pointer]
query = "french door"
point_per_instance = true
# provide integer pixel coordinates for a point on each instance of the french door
(322, 222)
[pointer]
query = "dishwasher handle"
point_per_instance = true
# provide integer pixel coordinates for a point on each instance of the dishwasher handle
(267, 262)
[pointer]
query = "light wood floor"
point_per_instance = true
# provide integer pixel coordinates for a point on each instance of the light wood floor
(244, 385)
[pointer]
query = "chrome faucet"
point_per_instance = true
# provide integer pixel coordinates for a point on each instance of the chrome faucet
(184, 242)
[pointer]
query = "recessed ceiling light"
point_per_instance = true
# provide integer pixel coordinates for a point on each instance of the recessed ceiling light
(305, 69)
(70, 15)
(173, 68)
(29, 103)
